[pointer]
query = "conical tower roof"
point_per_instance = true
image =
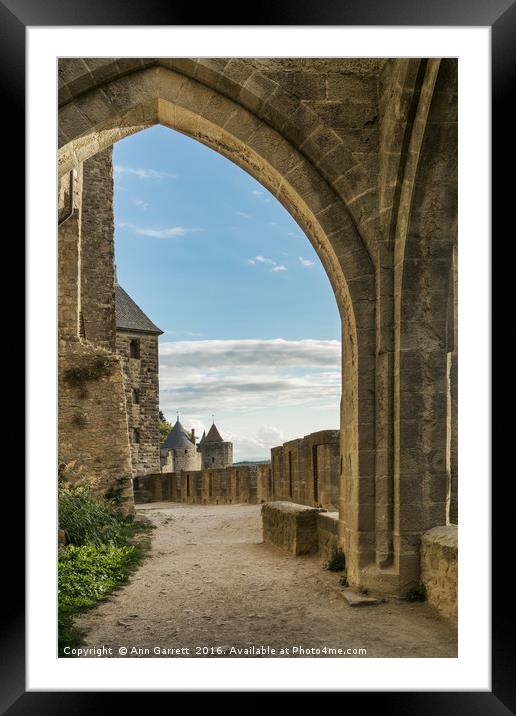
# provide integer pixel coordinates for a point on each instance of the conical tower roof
(177, 438)
(203, 437)
(213, 435)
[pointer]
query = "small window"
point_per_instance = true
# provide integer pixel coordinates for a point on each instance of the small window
(212, 460)
(186, 452)
(136, 396)
(136, 435)
(134, 348)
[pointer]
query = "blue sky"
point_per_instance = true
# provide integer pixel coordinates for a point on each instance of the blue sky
(252, 331)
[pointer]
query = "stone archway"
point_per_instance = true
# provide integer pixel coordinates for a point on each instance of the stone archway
(339, 198)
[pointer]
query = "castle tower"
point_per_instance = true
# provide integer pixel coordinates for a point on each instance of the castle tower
(137, 344)
(179, 452)
(216, 453)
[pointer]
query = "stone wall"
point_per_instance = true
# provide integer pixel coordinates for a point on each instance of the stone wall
(175, 460)
(264, 486)
(327, 533)
(363, 154)
(141, 374)
(231, 485)
(439, 569)
(306, 470)
(98, 250)
(291, 527)
(92, 420)
(216, 455)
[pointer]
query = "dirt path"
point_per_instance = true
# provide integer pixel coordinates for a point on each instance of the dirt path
(209, 582)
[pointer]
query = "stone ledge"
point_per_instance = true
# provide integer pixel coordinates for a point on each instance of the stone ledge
(290, 527)
(439, 562)
(446, 536)
(356, 599)
(327, 533)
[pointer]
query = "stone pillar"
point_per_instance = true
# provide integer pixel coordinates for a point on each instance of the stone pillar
(68, 276)
(92, 412)
(427, 232)
(98, 251)
(157, 493)
(452, 456)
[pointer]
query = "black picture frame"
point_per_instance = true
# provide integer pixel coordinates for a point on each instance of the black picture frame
(500, 16)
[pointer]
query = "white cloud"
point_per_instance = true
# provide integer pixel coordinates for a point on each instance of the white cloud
(256, 445)
(266, 260)
(270, 434)
(242, 375)
(244, 214)
(306, 262)
(260, 195)
(166, 233)
(141, 173)
(141, 204)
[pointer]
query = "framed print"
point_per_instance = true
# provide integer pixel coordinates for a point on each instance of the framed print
(251, 260)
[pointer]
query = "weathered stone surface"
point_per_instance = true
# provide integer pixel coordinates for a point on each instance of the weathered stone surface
(291, 527)
(230, 485)
(327, 533)
(356, 599)
(306, 470)
(141, 375)
(439, 564)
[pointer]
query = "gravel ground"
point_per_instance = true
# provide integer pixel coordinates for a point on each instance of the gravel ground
(210, 584)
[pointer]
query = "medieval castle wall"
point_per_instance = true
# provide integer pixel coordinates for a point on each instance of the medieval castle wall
(216, 454)
(230, 485)
(92, 421)
(141, 384)
(175, 460)
(330, 138)
(304, 471)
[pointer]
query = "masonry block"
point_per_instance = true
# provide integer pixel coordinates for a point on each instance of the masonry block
(291, 527)
(439, 562)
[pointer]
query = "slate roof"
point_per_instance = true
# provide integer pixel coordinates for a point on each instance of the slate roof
(177, 439)
(213, 435)
(129, 316)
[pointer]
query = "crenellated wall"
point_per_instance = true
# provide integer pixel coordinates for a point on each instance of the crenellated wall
(225, 486)
(306, 470)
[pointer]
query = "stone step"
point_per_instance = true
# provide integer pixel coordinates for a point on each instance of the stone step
(356, 599)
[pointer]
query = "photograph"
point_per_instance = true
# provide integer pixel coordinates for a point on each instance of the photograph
(258, 351)
(252, 252)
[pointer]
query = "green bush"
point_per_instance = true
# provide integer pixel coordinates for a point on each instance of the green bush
(88, 573)
(337, 561)
(103, 548)
(87, 518)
